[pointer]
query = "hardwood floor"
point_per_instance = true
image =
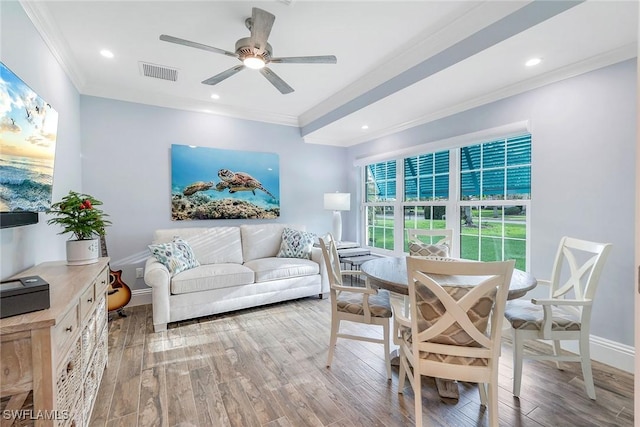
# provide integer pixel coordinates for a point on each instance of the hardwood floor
(266, 367)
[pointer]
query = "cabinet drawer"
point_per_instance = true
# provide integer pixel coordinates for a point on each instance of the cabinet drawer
(87, 300)
(69, 379)
(66, 329)
(102, 281)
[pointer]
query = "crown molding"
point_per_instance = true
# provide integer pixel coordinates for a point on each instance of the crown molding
(39, 15)
(611, 57)
(186, 104)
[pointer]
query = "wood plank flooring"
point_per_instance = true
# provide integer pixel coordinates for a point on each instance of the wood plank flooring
(266, 367)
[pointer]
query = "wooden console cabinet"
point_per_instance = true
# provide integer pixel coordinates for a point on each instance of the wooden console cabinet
(52, 360)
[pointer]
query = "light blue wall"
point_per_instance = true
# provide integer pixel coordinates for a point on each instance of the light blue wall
(583, 174)
(25, 53)
(126, 164)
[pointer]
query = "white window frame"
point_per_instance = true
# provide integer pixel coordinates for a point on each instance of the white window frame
(454, 203)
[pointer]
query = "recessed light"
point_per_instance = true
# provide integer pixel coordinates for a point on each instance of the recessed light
(215, 96)
(364, 127)
(106, 53)
(533, 61)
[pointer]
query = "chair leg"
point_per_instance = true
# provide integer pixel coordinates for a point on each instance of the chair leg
(518, 344)
(585, 355)
(396, 338)
(493, 402)
(387, 349)
(402, 374)
(417, 395)
(482, 389)
(335, 326)
(557, 350)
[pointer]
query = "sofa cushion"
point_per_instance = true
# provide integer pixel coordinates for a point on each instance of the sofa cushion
(211, 276)
(262, 240)
(177, 256)
(267, 269)
(211, 245)
(296, 244)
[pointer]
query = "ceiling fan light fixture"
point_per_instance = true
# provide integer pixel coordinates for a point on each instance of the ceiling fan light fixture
(253, 62)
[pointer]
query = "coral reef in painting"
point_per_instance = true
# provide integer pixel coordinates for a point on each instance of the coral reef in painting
(200, 206)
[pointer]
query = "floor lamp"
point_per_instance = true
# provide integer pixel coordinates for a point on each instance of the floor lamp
(337, 202)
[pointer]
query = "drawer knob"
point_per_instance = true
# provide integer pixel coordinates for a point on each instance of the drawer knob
(69, 328)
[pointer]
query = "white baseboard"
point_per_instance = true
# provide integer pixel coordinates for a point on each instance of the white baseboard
(140, 297)
(615, 354)
(609, 352)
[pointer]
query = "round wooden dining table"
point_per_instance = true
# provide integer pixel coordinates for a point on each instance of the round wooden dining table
(391, 273)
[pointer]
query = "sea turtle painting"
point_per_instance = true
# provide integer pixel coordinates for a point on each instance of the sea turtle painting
(239, 181)
(197, 186)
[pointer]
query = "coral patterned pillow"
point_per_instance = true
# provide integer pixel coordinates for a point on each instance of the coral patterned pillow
(296, 244)
(177, 256)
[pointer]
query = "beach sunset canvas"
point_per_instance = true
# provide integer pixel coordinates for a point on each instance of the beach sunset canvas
(212, 183)
(28, 129)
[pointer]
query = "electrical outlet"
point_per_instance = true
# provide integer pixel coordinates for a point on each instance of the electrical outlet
(139, 273)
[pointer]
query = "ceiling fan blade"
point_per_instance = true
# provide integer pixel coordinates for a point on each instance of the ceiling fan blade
(280, 84)
(261, 23)
(326, 59)
(184, 42)
(223, 75)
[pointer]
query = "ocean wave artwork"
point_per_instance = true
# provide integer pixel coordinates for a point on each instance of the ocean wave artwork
(28, 129)
(213, 183)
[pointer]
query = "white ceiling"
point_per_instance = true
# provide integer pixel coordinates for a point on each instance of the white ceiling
(399, 63)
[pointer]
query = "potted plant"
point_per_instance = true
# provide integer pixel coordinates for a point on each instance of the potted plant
(78, 214)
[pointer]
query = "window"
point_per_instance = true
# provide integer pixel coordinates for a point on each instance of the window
(495, 188)
(482, 191)
(380, 193)
(426, 179)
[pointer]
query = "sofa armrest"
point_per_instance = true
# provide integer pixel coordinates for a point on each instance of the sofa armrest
(316, 255)
(157, 276)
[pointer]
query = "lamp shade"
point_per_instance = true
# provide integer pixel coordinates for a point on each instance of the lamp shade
(337, 201)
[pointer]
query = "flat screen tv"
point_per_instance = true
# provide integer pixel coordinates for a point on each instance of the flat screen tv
(28, 129)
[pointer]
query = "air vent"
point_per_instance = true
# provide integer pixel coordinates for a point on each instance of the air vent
(158, 71)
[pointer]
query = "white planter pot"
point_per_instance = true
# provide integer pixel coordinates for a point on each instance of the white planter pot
(81, 252)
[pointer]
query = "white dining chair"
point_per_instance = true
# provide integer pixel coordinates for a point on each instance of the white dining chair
(355, 304)
(455, 329)
(566, 313)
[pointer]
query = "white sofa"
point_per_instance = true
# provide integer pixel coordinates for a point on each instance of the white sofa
(238, 269)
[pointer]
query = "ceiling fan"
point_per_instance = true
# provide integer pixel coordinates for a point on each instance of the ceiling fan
(254, 52)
